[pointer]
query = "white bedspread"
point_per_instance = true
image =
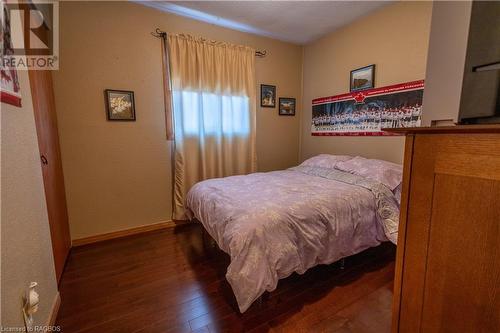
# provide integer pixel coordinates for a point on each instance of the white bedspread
(276, 223)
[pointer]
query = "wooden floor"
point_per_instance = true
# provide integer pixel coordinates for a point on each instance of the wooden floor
(167, 281)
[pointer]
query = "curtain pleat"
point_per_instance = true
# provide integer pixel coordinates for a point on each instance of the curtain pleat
(214, 112)
(167, 90)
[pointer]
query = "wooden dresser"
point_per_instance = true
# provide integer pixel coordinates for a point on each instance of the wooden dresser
(448, 255)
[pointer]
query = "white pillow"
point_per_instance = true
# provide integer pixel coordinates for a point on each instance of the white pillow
(387, 173)
(325, 161)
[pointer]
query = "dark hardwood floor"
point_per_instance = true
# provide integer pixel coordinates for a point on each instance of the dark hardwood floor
(168, 281)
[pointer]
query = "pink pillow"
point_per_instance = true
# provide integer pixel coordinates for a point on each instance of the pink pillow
(387, 173)
(325, 161)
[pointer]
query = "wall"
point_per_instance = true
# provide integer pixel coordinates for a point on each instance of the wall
(118, 174)
(395, 38)
(26, 248)
(446, 61)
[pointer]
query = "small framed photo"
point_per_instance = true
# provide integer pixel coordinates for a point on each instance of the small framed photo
(362, 78)
(120, 105)
(287, 106)
(267, 96)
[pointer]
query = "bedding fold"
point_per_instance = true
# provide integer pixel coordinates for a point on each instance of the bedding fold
(386, 202)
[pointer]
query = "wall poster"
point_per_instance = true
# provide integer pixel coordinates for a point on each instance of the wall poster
(10, 88)
(367, 112)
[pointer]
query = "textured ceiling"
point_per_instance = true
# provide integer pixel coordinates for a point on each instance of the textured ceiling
(298, 22)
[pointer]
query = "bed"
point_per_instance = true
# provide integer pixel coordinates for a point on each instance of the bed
(275, 223)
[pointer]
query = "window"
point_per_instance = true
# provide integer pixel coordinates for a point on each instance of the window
(203, 113)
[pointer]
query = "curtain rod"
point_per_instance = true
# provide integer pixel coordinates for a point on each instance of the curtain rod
(162, 34)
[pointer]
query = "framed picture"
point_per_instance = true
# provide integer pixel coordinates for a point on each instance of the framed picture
(120, 105)
(362, 78)
(10, 87)
(287, 106)
(267, 96)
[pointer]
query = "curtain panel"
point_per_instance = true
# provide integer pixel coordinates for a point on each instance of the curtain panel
(167, 88)
(214, 107)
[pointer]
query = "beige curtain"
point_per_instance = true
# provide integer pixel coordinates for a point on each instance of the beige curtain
(167, 88)
(213, 98)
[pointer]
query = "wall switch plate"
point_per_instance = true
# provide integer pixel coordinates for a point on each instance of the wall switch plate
(30, 305)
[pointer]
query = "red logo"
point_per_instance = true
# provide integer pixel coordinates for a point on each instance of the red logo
(359, 98)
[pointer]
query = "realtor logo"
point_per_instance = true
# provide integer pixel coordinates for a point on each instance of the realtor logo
(30, 35)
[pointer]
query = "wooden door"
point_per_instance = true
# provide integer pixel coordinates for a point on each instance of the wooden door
(451, 274)
(50, 157)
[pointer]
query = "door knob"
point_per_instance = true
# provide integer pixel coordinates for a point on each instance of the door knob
(44, 160)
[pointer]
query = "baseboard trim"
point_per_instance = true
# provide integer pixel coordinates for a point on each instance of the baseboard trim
(127, 232)
(54, 310)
